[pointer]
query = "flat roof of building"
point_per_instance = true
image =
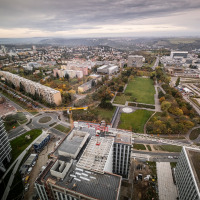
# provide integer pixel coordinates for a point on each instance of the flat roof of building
(96, 154)
(72, 144)
(42, 137)
(99, 186)
(30, 159)
(135, 56)
(194, 158)
(124, 138)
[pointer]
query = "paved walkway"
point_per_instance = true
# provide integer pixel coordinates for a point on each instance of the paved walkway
(156, 99)
(192, 104)
(166, 187)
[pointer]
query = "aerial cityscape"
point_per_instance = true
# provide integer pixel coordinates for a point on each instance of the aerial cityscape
(99, 100)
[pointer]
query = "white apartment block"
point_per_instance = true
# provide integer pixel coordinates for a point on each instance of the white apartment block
(72, 73)
(187, 174)
(48, 94)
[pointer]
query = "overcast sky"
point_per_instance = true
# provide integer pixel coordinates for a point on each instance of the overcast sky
(99, 18)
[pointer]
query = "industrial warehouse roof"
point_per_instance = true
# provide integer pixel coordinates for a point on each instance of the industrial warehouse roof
(194, 158)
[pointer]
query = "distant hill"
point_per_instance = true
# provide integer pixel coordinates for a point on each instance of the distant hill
(130, 43)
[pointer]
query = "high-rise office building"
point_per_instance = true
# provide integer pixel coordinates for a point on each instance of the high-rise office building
(121, 154)
(5, 147)
(82, 166)
(187, 174)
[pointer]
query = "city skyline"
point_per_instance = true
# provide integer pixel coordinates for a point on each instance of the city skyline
(98, 18)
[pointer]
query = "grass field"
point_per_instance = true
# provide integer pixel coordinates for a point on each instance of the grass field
(140, 90)
(169, 148)
(44, 119)
(194, 134)
(62, 128)
(139, 146)
(19, 144)
(105, 114)
(148, 147)
(134, 121)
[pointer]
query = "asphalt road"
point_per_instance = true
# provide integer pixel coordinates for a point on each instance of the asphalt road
(156, 63)
(16, 105)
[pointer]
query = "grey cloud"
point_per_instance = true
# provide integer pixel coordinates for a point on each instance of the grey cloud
(58, 15)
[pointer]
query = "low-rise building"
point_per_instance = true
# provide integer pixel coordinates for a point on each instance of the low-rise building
(86, 86)
(41, 142)
(108, 69)
(135, 61)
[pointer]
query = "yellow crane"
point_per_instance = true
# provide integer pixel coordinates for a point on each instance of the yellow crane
(68, 109)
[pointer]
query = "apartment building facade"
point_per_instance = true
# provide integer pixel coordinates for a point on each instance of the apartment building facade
(5, 148)
(187, 174)
(48, 94)
(135, 61)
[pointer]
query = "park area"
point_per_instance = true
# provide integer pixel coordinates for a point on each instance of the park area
(20, 143)
(95, 114)
(134, 121)
(138, 90)
(14, 120)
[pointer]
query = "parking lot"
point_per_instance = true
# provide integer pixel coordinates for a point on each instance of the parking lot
(42, 161)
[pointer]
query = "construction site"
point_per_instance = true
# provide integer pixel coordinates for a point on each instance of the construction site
(85, 164)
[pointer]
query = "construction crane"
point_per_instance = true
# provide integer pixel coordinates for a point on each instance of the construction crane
(68, 109)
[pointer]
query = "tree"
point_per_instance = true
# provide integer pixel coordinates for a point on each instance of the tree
(177, 81)
(67, 76)
(21, 87)
(93, 83)
(165, 105)
(57, 75)
(162, 99)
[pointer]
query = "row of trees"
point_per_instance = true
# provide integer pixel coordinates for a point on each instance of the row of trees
(177, 117)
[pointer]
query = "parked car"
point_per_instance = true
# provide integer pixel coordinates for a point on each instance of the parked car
(33, 163)
(26, 187)
(29, 170)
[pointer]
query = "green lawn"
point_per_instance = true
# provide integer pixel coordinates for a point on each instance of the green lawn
(13, 121)
(121, 99)
(139, 146)
(134, 121)
(140, 90)
(148, 147)
(105, 114)
(19, 144)
(44, 119)
(170, 148)
(194, 134)
(62, 128)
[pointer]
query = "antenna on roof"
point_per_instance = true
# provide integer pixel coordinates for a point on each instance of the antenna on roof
(97, 136)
